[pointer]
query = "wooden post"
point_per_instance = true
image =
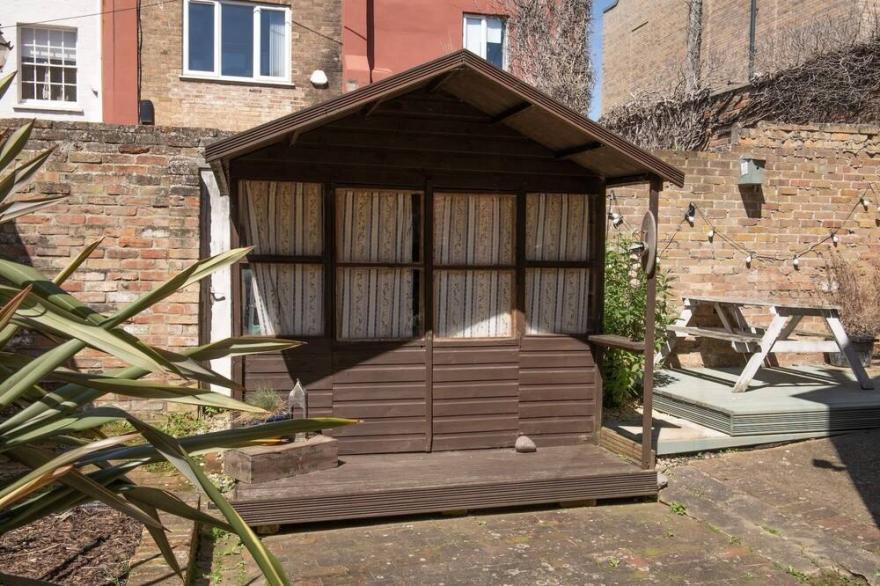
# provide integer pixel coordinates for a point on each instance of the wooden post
(650, 307)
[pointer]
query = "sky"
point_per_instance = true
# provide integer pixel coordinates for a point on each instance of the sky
(596, 54)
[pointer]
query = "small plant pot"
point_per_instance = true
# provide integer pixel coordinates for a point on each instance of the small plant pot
(864, 348)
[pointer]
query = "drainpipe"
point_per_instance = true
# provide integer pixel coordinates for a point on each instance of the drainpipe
(753, 19)
(371, 37)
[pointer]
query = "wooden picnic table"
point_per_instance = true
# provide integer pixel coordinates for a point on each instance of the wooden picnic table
(759, 341)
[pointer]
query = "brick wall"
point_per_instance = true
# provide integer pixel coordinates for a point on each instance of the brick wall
(815, 174)
(138, 188)
(316, 44)
(644, 43)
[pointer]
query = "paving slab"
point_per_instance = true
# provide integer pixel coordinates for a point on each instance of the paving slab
(811, 505)
(637, 543)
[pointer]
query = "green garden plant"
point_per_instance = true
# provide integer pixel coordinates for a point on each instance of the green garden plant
(625, 301)
(47, 419)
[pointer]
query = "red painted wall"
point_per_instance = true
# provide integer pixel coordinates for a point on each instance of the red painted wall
(119, 61)
(382, 37)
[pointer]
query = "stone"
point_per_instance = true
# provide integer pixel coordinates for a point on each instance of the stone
(525, 445)
(662, 481)
(265, 463)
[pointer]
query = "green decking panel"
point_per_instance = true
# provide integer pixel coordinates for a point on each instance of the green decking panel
(805, 399)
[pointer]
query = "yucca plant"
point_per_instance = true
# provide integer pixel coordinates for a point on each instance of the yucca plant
(47, 419)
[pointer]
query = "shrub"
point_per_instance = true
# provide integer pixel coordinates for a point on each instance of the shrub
(47, 419)
(625, 301)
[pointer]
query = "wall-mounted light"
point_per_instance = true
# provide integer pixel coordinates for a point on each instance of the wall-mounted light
(691, 214)
(616, 219)
(319, 79)
(5, 49)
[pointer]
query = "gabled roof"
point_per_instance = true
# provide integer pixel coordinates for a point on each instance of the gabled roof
(501, 96)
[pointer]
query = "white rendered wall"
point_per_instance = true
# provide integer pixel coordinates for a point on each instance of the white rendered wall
(63, 14)
(221, 281)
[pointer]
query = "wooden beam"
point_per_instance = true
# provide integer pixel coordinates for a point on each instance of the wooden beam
(650, 325)
(584, 148)
(629, 180)
(510, 112)
(355, 175)
(435, 83)
(406, 158)
(371, 108)
(619, 342)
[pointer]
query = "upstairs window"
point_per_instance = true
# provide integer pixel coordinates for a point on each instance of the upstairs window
(48, 64)
(485, 36)
(236, 40)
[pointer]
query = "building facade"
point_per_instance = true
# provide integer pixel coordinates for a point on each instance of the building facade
(645, 44)
(56, 48)
(227, 64)
(383, 37)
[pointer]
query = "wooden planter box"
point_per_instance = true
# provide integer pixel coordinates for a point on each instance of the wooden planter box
(265, 463)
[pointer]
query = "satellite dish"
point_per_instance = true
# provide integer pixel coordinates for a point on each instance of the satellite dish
(648, 234)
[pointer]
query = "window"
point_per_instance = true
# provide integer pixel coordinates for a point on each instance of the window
(485, 36)
(474, 265)
(283, 283)
(557, 260)
(48, 64)
(236, 40)
(379, 274)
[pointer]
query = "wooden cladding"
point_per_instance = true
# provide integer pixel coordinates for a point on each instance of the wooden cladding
(483, 394)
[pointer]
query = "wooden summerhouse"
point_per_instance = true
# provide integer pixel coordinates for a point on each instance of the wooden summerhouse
(437, 238)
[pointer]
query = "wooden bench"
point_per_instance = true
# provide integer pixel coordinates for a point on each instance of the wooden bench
(762, 341)
(715, 333)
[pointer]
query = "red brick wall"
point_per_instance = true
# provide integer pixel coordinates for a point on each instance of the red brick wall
(814, 176)
(138, 188)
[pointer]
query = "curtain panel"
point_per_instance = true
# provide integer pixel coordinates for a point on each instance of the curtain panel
(376, 227)
(557, 229)
(474, 230)
(284, 218)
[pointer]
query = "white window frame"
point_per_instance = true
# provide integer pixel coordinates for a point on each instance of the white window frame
(484, 28)
(50, 104)
(218, 66)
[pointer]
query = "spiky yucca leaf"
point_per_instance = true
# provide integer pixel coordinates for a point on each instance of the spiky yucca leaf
(50, 428)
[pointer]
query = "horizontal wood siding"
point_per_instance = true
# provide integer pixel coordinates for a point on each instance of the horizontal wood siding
(476, 395)
(381, 384)
(557, 391)
(384, 385)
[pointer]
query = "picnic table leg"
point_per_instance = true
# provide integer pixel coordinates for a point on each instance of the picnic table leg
(842, 339)
(771, 334)
(684, 318)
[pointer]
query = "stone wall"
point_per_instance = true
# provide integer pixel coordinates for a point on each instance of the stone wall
(137, 187)
(316, 36)
(814, 177)
(645, 43)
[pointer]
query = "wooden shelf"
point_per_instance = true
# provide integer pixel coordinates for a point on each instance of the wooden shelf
(620, 342)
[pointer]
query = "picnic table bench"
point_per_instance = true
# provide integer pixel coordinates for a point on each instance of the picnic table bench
(759, 341)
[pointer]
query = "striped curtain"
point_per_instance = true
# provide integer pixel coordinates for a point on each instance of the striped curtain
(375, 227)
(285, 218)
(557, 229)
(556, 301)
(469, 230)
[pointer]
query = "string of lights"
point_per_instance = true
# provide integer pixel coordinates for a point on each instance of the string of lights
(749, 255)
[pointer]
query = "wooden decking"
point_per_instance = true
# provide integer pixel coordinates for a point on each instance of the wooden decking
(366, 486)
(805, 399)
